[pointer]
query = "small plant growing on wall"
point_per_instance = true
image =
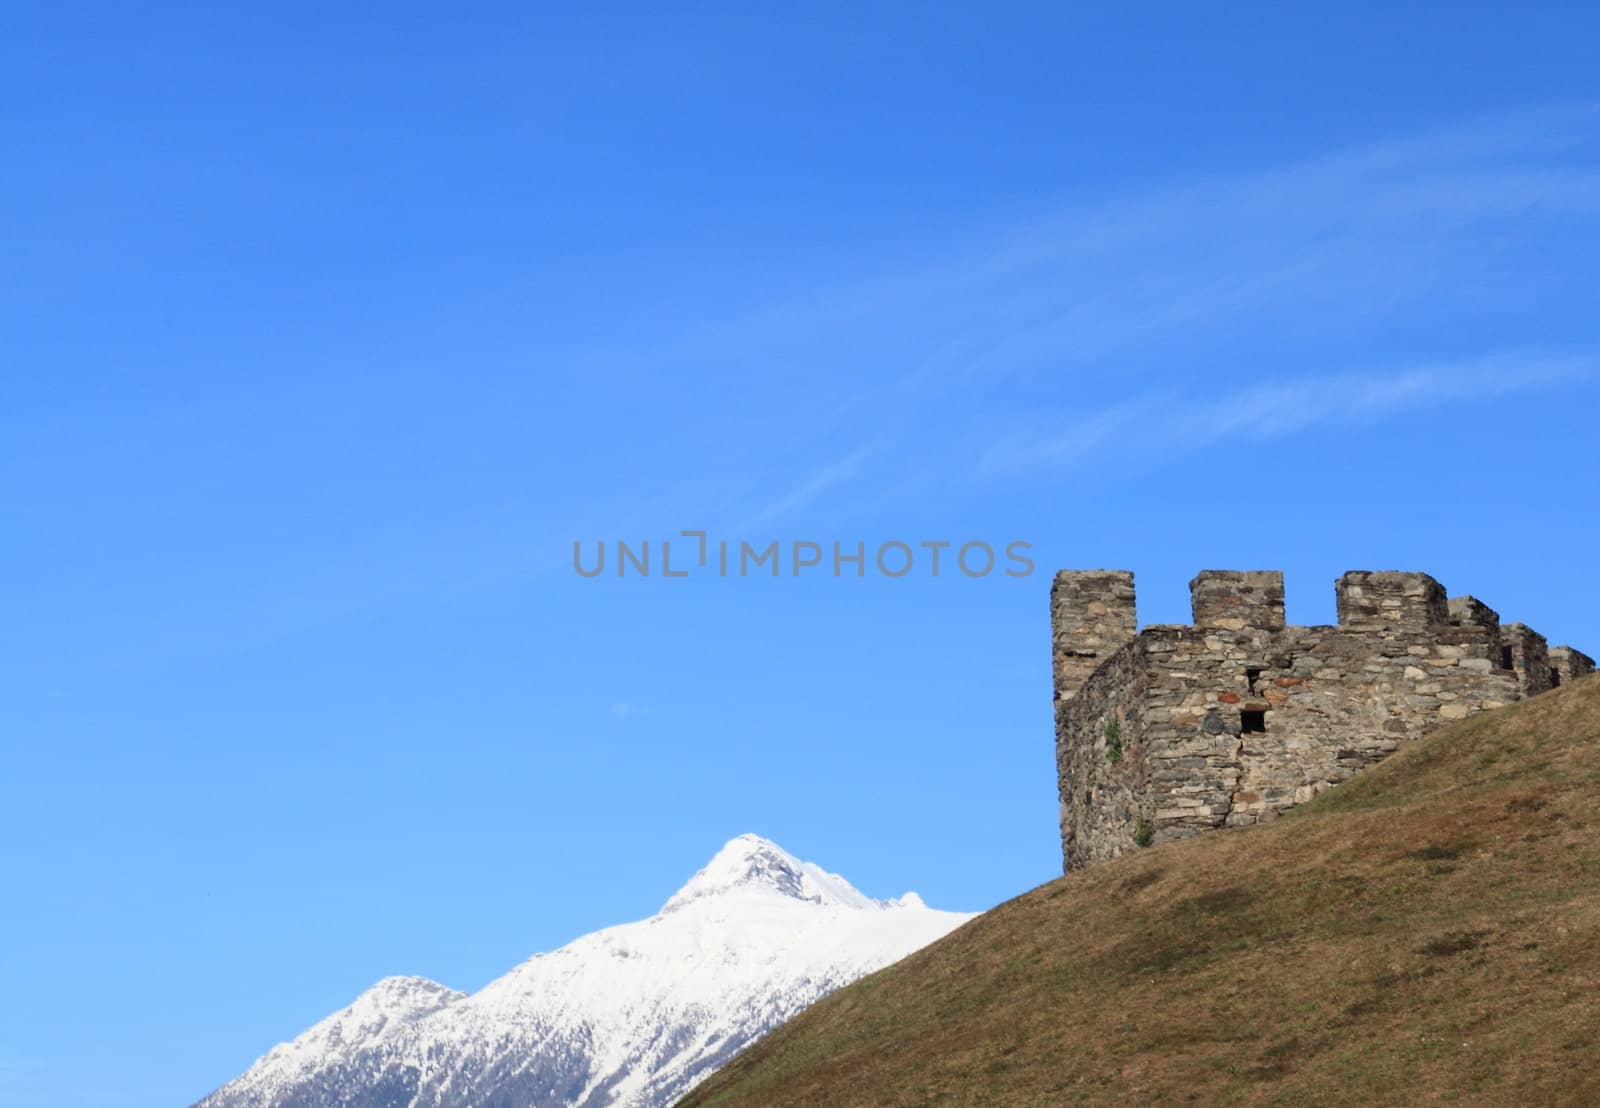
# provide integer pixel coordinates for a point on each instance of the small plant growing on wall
(1114, 741)
(1144, 833)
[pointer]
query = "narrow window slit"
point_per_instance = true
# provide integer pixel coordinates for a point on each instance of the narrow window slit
(1252, 723)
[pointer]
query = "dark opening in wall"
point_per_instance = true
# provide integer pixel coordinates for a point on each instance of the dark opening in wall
(1555, 677)
(1250, 675)
(1505, 658)
(1252, 723)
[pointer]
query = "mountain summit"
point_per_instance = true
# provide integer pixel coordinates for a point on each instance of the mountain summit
(753, 865)
(629, 1016)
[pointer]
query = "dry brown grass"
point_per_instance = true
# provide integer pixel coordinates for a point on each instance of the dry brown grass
(1426, 933)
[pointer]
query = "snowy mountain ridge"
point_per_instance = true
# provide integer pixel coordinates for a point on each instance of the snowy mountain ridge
(630, 1016)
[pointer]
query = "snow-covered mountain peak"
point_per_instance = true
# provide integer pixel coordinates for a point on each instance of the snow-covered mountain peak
(627, 1017)
(750, 864)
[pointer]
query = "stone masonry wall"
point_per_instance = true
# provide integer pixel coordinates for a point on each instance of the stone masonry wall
(1103, 798)
(1181, 729)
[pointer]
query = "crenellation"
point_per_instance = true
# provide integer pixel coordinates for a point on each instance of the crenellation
(1525, 652)
(1469, 611)
(1567, 664)
(1390, 600)
(1474, 627)
(1235, 600)
(1092, 615)
(1181, 729)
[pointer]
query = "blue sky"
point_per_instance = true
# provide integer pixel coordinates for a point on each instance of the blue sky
(324, 336)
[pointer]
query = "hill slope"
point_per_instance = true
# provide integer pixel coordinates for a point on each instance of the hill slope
(1429, 931)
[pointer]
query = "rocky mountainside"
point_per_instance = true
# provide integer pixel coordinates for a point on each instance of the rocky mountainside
(629, 1016)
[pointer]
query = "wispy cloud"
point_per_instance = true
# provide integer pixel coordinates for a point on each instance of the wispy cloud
(1319, 242)
(1041, 344)
(834, 473)
(1175, 292)
(1270, 410)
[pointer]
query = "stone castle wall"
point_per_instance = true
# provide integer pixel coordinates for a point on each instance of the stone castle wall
(1174, 730)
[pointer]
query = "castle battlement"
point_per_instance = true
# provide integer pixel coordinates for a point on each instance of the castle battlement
(1170, 730)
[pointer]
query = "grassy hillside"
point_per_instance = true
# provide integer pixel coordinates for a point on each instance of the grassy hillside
(1428, 932)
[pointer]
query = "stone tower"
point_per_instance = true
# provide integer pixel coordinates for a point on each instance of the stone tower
(1177, 729)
